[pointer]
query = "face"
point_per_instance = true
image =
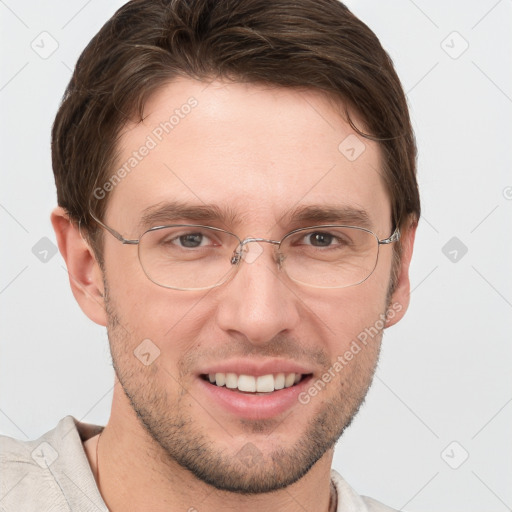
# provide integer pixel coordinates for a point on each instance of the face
(257, 155)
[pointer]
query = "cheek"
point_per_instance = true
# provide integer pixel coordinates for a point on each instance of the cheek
(169, 318)
(354, 303)
(138, 302)
(346, 315)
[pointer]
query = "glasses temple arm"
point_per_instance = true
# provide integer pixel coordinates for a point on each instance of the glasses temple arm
(113, 232)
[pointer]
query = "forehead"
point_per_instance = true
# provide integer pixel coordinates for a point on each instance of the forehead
(256, 151)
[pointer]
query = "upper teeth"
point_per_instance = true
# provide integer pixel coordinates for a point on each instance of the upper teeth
(262, 384)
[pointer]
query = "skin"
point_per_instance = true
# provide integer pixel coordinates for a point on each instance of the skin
(262, 151)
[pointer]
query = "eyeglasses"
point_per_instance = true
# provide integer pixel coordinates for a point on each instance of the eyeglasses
(197, 257)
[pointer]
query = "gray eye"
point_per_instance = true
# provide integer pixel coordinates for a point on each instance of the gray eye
(320, 239)
(191, 240)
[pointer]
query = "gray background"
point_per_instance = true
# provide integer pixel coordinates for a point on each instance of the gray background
(443, 388)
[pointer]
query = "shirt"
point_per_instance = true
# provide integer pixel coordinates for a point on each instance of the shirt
(52, 474)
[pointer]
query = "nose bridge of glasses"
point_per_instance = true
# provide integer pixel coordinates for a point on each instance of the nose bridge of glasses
(252, 239)
(237, 256)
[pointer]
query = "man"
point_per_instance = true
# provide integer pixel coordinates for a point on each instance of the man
(237, 205)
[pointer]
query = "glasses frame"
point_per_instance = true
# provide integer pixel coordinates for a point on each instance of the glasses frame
(237, 256)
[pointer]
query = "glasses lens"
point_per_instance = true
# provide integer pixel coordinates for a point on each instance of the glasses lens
(187, 257)
(330, 256)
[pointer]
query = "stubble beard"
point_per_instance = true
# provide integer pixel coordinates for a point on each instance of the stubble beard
(247, 470)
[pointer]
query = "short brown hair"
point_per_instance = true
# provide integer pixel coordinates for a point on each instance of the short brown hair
(316, 44)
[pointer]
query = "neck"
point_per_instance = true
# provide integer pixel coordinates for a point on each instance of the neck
(132, 473)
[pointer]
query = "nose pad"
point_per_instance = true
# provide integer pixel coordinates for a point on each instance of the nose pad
(280, 257)
(251, 250)
(235, 257)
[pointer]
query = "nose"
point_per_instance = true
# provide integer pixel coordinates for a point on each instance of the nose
(259, 301)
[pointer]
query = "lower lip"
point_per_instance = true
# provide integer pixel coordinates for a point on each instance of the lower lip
(254, 406)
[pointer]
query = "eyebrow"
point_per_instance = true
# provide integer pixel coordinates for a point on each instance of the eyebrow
(327, 214)
(172, 211)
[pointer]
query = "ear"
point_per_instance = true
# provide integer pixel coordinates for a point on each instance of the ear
(85, 275)
(399, 301)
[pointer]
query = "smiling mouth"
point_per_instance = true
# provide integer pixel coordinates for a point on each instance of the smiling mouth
(255, 384)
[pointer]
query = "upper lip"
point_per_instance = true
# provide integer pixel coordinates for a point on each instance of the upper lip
(256, 368)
